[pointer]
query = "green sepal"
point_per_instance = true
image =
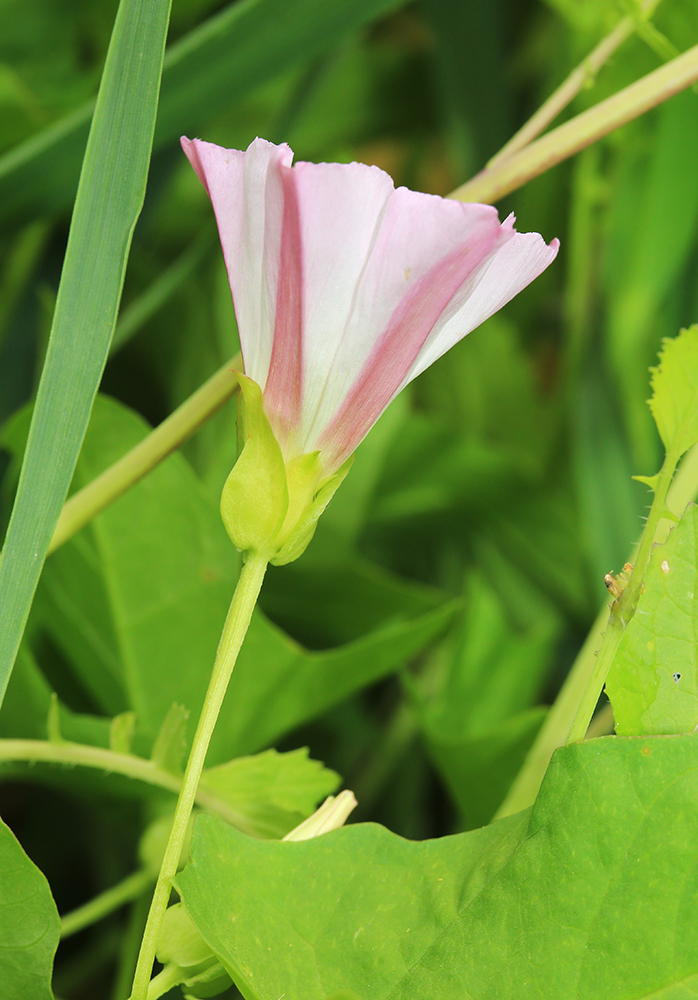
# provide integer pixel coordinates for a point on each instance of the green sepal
(650, 481)
(180, 942)
(184, 952)
(254, 502)
(300, 536)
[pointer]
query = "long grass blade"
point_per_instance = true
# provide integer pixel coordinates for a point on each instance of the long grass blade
(109, 200)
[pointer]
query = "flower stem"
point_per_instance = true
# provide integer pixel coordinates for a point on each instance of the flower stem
(148, 453)
(491, 185)
(234, 630)
(104, 904)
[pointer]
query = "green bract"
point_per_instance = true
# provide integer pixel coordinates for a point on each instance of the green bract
(269, 506)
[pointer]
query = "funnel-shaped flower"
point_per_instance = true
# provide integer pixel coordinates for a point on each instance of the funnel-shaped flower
(345, 288)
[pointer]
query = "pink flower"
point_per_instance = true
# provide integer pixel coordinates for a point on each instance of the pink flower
(345, 289)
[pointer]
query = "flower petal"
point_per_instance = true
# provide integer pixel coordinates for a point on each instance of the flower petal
(346, 289)
(401, 241)
(446, 304)
(248, 200)
(514, 264)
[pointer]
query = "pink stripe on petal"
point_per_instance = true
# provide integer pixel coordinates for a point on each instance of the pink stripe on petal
(394, 353)
(283, 390)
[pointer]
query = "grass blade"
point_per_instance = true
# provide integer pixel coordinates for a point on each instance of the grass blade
(109, 200)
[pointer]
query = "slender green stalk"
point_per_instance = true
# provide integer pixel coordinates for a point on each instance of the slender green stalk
(101, 906)
(128, 765)
(623, 609)
(148, 453)
(234, 630)
(492, 184)
(579, 78)
(556, 728)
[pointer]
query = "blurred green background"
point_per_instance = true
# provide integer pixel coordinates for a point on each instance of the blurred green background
(458, 570)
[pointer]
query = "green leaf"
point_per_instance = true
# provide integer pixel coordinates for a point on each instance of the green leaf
(674, 402)
(479, 768)
(108, 203)
(476, 713)
(220, 61)
(590, 896)
(653, 681)
(274, 791)
(29, 924)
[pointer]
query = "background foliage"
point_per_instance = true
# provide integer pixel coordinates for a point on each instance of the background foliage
(460, 566)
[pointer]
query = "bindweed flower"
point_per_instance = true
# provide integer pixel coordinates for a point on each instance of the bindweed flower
(345, 289)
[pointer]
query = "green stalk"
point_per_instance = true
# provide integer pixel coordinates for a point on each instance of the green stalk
(492, 184)
(234, 630)
(104, 904)
(128, 765)
(579, 78)
(556, 729)
(624, 608)
(148, 453)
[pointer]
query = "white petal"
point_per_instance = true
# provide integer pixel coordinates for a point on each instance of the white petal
(245, 191)
(512, 266)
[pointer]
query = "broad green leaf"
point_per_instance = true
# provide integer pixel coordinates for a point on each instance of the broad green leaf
(29, 924)
(479, 768)
(274, 791)
(590, 896)
(475, 713)
(220, 61)
(108, 203)
(653, 682)
(674, 401)
(137, 600)
(493, 669)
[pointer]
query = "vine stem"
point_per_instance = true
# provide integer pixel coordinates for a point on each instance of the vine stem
(579, 78)
(623, 609)
(234, 631)
(492, 184)
(137, 768)
(101, 906)
(586, 677)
